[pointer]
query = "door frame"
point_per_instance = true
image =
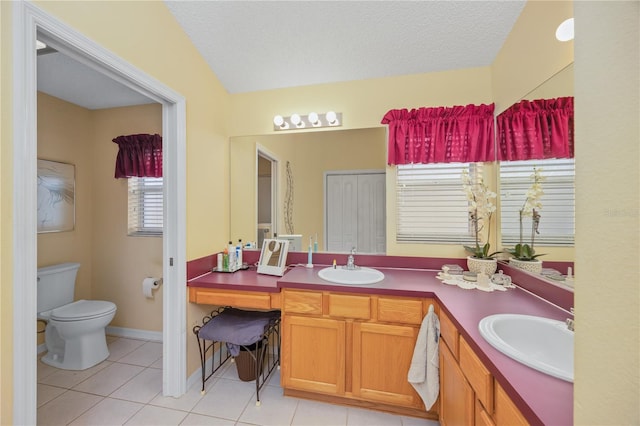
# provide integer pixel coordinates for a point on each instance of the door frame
(27, 20)
(261, 151)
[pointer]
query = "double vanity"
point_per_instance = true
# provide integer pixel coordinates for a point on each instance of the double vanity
(349, 337)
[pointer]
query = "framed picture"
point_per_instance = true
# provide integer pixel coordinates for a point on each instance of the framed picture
(56, 196)
(273, 257)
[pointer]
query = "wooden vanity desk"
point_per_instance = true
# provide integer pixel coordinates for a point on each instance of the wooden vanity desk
(352, 345)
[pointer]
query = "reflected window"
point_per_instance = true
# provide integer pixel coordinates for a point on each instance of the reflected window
(431, 205)
(145, 206)
(557, 222)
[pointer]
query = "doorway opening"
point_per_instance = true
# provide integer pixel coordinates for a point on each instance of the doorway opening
(267, 194)
(29, 20)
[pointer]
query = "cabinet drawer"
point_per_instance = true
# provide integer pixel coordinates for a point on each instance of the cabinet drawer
(349, 306)
(302, 302)
(240, 299)
(449, 333)
(403, 311)
(478, 376)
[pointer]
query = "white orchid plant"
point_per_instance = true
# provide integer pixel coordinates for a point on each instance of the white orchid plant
(481, 208)
(530, 208)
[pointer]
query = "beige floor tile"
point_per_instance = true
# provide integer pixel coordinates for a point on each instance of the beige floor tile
(121, 347)
(69, 378)
(200, 420)
(108, 412)
(109, 379)
(414, 421)
(226, 399)
(185, 403)
(274, 409)
(312, 413)
(144, 355)
(157, 416)
(46, 393)
(142, 388)
(66, 408)
(362, 417)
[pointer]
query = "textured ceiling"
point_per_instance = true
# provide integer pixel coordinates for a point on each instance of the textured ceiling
(259, 45)
(262, 45)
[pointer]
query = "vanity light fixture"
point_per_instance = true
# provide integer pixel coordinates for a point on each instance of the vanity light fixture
(565, 30)
(297, 121)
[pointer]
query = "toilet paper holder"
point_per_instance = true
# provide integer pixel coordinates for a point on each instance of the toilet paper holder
(149, 284)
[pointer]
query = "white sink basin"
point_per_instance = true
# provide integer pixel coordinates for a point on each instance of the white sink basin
(359, 276)
(540, 343)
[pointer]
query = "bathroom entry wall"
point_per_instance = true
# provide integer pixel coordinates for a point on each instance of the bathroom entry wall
(113, 264)
(64, 134)
(121, 262)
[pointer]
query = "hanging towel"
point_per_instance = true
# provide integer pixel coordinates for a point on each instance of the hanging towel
(424, 373)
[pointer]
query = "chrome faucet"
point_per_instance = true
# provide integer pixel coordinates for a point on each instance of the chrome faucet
(351, 265)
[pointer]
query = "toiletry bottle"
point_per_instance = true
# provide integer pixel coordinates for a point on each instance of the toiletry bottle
(225, 259)
(315, 244)
(239, 254)
(232, 256)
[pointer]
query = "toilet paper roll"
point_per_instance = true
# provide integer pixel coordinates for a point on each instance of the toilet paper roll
(148, 285)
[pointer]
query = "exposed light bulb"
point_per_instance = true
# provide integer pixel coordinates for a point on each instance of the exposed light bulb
(565, 30)
(331, 118)
(313, 119)
(295, 120)
(278, 120)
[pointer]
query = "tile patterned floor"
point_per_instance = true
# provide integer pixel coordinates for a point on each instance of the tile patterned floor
(127, 389)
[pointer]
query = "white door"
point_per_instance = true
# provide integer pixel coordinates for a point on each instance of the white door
(355, 212)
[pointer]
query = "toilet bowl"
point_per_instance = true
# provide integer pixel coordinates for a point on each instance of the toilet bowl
(75, 333)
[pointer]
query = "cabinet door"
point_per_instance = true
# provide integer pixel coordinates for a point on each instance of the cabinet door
(313, 354)
(381, 359)
(456, 395)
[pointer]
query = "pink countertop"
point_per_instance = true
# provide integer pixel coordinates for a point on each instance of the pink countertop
(542, 399)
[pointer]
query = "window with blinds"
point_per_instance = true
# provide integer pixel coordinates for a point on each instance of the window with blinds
(145, 206)
(432, 207)
(557, 216)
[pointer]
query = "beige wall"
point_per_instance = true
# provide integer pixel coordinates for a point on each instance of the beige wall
(121, 262)
(531, 54)
(112, 263)
(64, 135)
(607, 75)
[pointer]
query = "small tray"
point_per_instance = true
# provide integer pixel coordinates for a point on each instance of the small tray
(244, 267)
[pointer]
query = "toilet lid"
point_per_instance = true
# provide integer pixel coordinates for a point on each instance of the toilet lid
(83, 309)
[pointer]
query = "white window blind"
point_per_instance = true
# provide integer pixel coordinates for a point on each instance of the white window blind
(145, 206)
(431, 205)
(557, 216)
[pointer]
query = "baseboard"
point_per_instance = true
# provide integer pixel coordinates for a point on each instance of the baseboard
(154, 336)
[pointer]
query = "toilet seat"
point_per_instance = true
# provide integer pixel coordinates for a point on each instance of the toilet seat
(82, 310)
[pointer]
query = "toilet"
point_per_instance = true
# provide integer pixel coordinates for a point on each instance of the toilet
(75, 332)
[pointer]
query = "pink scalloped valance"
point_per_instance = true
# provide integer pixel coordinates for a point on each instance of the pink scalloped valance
(538, 129)
(441, 134)
(139, 155)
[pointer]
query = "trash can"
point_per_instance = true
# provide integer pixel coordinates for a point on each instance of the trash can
(246, 364)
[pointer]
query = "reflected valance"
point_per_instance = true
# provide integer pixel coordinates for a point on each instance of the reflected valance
(441, 134)
(139, 155)
(538, 129)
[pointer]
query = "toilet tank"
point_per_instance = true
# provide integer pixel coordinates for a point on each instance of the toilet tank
(56, 284)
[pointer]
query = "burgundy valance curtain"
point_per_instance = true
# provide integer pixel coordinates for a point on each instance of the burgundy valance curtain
(139, 155)
(538, 129)
(441, 134)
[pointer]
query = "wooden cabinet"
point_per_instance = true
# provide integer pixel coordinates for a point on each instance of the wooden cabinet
(469, 394)
(353, 346)
(456, 395)
(313, 354)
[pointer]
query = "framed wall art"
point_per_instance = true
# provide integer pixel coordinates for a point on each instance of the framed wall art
(273, 257)
(56, 196)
